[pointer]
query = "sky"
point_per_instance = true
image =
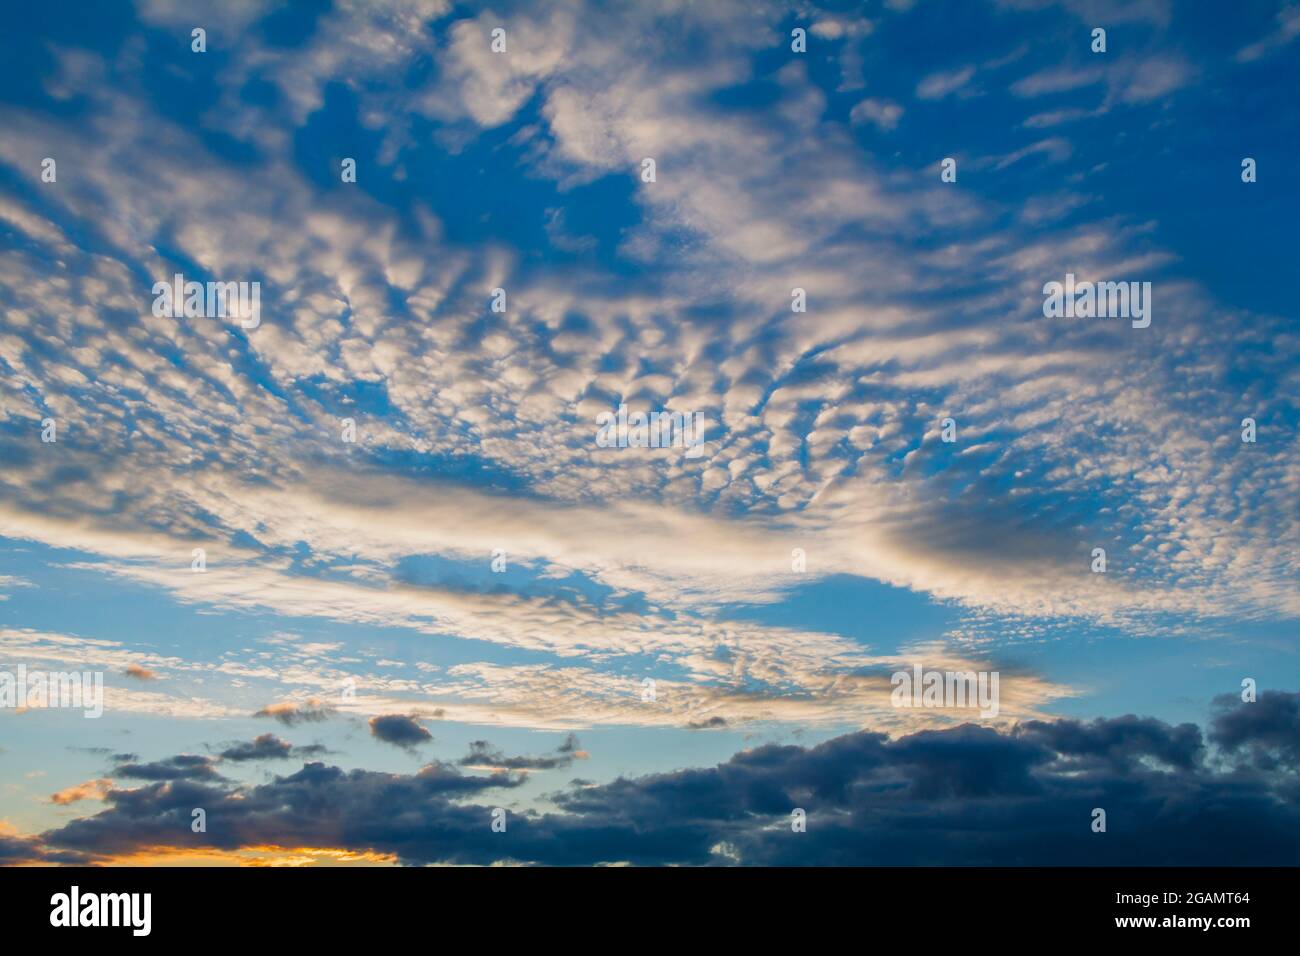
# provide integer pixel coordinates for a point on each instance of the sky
(367, 584)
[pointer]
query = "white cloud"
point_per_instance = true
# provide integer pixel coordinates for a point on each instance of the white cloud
(884, 113)
(936, 86)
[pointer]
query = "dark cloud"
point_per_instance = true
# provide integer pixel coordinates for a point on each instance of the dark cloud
(289, 714)
(400, 730)
(1120, 740)
(105, 752)
(268, 747)
(264, 747)
(16, 849)
(710, 724)
(483, 754)
(969, 795)
(411, 815)
(1264, 734)
(180, 767)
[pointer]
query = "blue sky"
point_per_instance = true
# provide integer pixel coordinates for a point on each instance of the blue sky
(367, 565)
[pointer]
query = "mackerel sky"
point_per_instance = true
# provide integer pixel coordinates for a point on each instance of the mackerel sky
(462, 607)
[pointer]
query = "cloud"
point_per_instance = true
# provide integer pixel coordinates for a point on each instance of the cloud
(1264, 734)
(180, 767)
(294, 810)
(10, 581)
(399, 730)
(1129, 80)
(263, 747)
(292, 713)
(70, 652)
(1156, 13)
(884, 113)
(489, 87)
(483, 756)
(268, 747)
(17, 849)
(1119, 742)
(1151, 78)
(1055, 148)
(709, 723)
(788, 455)
(1288, 28)
(1057, 79)
(90, 790)
(936, 86)
(829, 27)
(474, 434)
(967, 795)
